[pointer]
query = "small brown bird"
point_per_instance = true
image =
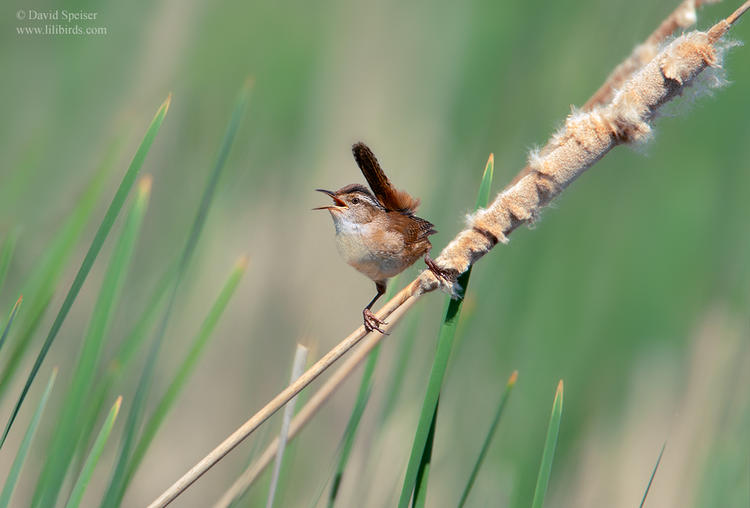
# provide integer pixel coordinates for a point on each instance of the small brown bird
(377, 232)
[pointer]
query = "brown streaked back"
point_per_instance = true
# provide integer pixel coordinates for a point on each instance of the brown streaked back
(414, 229)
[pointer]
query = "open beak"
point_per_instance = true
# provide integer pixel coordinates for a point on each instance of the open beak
(338, 203)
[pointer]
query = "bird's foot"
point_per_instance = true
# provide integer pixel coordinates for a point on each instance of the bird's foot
(440, 273)
(372, 322)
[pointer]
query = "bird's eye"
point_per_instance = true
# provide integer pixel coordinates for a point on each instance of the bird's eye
(355, 201)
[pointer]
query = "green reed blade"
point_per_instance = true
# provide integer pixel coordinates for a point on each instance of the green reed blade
(68, 429)
(101, 234)
(545, 469)
(23, 450)
(420, 453)
(653, 474)
(488, 438)
(122, 359)
(40, 286)
(363, 396)
(400, 367)
(118, 483)
(423, 473)
(79, 488)
(6, 254)
(187, 366)
(10, 321)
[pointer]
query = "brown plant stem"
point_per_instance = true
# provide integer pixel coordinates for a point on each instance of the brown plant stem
(732, 18)
(310, 409)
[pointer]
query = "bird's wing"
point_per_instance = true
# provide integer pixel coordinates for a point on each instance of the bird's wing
(415, 229)
(390, 197)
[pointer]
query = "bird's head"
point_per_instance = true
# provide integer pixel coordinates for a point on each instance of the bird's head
(352, 204)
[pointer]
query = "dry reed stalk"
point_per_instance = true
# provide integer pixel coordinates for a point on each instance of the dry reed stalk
(298, 366)
(585, 138)
(309, 410)
(395, 307)
(684, 16)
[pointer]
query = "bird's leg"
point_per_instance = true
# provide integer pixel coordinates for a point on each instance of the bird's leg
(371, 322)
(440, 273)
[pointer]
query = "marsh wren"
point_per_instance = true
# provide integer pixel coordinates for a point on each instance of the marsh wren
(377, 232)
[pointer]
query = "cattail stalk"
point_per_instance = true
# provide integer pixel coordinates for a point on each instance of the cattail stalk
(684, 16)
(585, 138)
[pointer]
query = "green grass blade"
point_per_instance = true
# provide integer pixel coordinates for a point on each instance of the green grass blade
(363, 396)
(130, 346)
(67, 431)
(315, 501)
(423, 473)
(96, 451)
(118, 483)
(398, 372)
(420, 453)
(123, 358)
(10, 321)
(23, 450)
(653, 474)
(488, 439)
(188, 365)
(485, 186)
(6, 254)
(41, 284)
(101, 234)
(545, 469)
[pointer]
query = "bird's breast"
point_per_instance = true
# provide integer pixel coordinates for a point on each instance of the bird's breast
(369, 250)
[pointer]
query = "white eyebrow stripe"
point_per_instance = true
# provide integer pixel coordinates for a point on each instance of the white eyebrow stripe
(368, 198)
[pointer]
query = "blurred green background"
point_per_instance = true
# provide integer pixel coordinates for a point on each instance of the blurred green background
(633, 288)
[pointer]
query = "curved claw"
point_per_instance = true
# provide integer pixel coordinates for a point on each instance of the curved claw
(440, 273)
(371, 322)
